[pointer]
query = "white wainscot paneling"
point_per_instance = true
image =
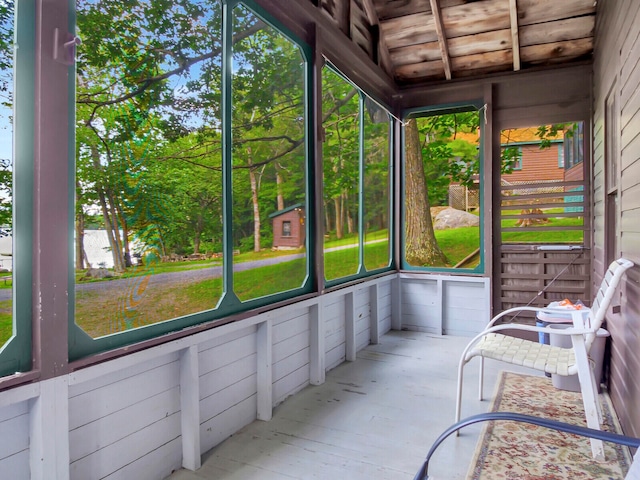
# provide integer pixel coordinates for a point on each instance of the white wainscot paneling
(442, 304)
(384, 307)
(291, 347)
(335, 336)
(466, 307)
(228, 386)
(363, 317)
(117, 420)
(421, 303)
(125, 418)
(14, 441)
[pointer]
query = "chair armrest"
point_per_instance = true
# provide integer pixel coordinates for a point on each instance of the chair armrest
(543, 422)
(514, 310)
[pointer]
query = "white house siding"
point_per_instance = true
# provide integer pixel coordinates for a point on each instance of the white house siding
(617, 70)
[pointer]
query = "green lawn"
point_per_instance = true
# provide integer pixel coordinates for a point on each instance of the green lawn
(97, 313)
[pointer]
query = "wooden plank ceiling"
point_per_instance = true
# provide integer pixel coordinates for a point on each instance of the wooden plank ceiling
(417, 41)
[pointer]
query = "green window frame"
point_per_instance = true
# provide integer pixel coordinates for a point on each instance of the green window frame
(366, 106)
(435, 111)
(80, 343)
(15, 354)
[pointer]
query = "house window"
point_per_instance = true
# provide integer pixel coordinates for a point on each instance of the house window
(286, 228)
(517, 163)
(443, 190)
(561, 155)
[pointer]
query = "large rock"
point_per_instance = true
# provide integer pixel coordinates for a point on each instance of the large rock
(452, 218)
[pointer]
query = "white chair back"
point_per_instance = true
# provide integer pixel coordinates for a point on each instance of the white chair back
(604, 296)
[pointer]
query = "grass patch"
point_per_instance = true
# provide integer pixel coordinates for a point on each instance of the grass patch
(458, 243)
(6, 321)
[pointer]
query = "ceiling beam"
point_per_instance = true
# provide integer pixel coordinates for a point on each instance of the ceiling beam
(442, 38)
(515, 40)
(384, 59)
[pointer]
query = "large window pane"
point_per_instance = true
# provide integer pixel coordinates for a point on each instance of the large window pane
(341, 162)
(148, 225)
(442, 191)
(376, 187)
(269, 160)
(6, 170)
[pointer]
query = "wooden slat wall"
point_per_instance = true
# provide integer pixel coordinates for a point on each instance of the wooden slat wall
(617, 70)
(526, 271)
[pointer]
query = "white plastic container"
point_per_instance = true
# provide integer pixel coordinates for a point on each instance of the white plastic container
(596, 355)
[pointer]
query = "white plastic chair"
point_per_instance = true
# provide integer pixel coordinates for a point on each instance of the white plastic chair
(547, 358)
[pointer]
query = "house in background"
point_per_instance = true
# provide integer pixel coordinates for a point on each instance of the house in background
(288, 227)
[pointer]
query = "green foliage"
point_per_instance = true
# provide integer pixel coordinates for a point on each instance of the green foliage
(450, 144)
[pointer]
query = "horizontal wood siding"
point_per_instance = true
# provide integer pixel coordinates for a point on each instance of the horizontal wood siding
(617, 72)
(14, 441)
(291, 345)
(228, 385)
(421, 304)
(126, 420)
(384, 306)
(335, 334)
(466, 307)
(117, 420)
(363, 317)
(537, 164)
(439, 304)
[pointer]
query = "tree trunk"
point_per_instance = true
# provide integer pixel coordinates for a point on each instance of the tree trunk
(118, 253)
(421, 246)
(338, 206)
(199, 226)
(80, 257)
(125, 237)
(327, 218)
(108, 225)
(280, 197)
(256, 205)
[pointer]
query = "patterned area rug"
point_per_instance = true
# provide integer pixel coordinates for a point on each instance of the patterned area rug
(512, 450)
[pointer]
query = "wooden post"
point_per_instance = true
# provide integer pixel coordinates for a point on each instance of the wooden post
(264, 339)
(317, 372)
(190, 408)
(350, 327)
(49, 430)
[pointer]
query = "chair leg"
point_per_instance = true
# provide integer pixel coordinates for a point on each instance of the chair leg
(481, 380)
(589, 395)
(459, 391)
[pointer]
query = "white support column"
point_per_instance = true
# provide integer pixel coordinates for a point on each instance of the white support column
(264, 338)
(190, 408)
(317, 372)
(49, 431)
(350, 326)
(374, 315)
(396, 304)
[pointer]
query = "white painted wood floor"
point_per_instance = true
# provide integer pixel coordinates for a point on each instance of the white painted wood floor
(374, 418)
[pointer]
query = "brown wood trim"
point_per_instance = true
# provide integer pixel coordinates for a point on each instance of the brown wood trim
(515, 42)
(350, 59)
(442, 38)
(18, 379)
